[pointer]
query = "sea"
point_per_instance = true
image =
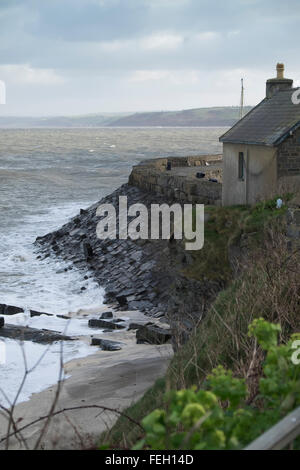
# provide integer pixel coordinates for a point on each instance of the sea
(46, 177)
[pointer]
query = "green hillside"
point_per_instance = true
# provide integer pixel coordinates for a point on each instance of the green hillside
(206, 117)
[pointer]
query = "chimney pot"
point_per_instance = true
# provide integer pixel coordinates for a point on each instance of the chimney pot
(280, 71)
(274, 85)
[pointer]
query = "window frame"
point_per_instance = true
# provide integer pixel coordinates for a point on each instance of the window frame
(241, 166)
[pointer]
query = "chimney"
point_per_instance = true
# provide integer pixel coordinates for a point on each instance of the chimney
(279, 83)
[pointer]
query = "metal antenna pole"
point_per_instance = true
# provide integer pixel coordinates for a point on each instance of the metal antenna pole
(242, 100)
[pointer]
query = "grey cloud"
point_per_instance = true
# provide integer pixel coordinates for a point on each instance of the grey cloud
(104, 40)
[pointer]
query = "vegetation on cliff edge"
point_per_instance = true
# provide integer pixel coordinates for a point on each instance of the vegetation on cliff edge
(267, 287)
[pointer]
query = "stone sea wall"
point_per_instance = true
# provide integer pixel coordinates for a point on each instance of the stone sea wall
(153, 176)
(143, 275)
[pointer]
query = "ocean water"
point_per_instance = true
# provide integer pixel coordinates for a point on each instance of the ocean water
(46, 176)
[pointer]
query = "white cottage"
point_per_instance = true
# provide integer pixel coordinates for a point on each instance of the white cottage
(263, 149)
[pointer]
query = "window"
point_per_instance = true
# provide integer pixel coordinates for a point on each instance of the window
(241, 165)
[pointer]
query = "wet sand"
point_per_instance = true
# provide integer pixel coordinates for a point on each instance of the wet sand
(112, 379)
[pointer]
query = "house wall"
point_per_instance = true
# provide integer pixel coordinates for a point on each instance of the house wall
(289, 156)
(260, 179)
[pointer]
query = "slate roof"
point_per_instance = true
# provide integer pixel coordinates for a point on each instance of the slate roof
(269, 123)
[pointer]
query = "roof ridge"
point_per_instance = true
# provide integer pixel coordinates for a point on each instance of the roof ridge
(268, 123)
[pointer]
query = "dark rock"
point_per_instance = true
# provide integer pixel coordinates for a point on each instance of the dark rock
(33, 313)
(137, 256)
(24, 333)
(127, 292)
(143, 275)
(87, 250)
(152, 334)
(110, 295)
(1, 322)
(106, 345)
(122, 300)
(10, 310)
(106, 315)
(136, 326)
(94, 323)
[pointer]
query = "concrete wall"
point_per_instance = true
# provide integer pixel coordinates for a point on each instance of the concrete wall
(198, 160)
(260, 175)
(151, 175)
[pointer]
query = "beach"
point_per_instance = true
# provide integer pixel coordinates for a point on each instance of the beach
(112, 379)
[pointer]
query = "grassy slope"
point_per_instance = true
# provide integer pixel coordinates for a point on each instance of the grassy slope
(268, 288)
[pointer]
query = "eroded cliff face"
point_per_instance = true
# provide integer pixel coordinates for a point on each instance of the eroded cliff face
(145, 275)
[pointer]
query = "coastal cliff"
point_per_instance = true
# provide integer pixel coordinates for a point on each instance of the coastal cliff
(247, 269)
(145, 275)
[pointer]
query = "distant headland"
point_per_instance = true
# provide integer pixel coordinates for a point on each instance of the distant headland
(198, 117)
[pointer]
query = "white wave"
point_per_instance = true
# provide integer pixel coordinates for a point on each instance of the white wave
(43, 285)
(76, 326)
(12, 372)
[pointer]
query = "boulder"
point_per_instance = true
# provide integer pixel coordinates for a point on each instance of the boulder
(95, 323)
(10, 310)
(106, 315)
(152, 334)
(106, 345)
(25, 333)
(122, 300)
(110, 296)
(136, 326)
(87, 250)
(34, 313)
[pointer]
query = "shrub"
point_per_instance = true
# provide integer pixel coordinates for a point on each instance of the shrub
(219, 416)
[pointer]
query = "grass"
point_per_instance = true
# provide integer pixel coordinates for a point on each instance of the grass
(225, 228)
(268, 287)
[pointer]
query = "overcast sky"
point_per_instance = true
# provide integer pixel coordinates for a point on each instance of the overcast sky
(93, 56)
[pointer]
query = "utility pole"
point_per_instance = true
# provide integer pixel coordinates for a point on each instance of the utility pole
(242, 100)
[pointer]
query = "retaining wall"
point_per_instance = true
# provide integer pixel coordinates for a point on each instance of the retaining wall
(152, 176)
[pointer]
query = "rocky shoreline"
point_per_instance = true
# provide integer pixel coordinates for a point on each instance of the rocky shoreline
(144, 275)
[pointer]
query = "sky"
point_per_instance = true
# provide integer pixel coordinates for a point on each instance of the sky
(71, 57)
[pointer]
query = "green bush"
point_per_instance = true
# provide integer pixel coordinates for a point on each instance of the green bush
(219, 417)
